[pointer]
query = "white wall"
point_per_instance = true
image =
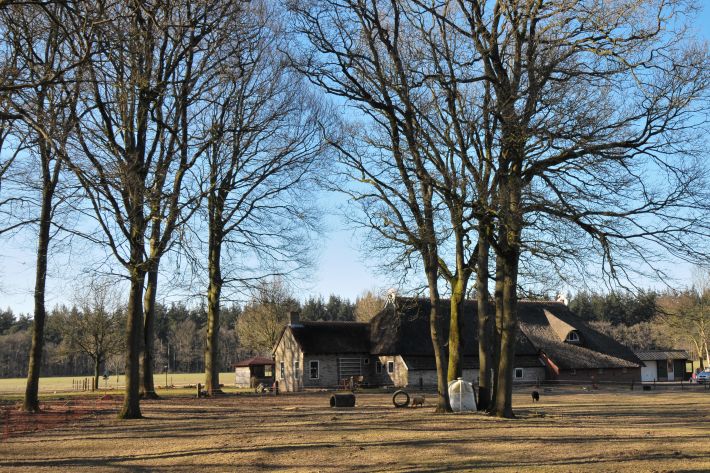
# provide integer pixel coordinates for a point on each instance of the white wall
(649, 372)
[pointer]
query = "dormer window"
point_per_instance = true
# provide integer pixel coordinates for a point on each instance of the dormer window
(572, 337)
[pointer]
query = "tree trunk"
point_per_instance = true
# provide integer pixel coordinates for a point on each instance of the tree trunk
(497, 328)
(486, 322)
(147, 389)
(455, 327)
(442, 401)
(510, 253)
(213, 312)
(131, 403)
(97, 369)
(31, 400)
(509, 328)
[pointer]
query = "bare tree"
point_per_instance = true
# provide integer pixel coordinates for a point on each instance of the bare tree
(688, 313)
(266, 142)
(420, 165)
(136, 143)
(264, 317)
(593, 103)
(95, 327)
(369, 304)
(42, 38)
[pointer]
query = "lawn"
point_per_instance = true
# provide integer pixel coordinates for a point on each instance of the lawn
(63, 384)
(568, 430)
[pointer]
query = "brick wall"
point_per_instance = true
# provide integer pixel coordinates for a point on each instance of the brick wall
(617, 375)
(287, 353)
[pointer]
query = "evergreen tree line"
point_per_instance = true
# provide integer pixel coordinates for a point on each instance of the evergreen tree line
(180, 336)
(645, 320)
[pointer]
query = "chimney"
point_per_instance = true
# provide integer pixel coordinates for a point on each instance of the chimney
(293, 318)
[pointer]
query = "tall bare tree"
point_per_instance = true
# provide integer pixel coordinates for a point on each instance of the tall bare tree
(596, 104)
(43, 41)
(420, 164)
(149, 64)
(267, 140)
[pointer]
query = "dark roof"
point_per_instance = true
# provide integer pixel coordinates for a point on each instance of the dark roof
(403, 329)
(254, 361)
(332, 337)
(406, 331)
(651, 355)
(547, 324)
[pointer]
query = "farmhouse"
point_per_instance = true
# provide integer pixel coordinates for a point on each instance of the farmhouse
(395, 348)
(664, 365)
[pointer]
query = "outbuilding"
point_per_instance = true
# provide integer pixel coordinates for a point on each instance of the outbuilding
(664, 365)
(250, 372)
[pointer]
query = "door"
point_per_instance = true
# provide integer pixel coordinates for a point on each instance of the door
(661, 370)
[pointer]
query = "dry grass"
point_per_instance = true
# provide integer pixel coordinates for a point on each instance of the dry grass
(567, 431)
(9, 386)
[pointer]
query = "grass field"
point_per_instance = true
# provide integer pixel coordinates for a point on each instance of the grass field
(567, 430)
(64, 384)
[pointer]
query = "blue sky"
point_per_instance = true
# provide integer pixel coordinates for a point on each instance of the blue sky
(342, 268)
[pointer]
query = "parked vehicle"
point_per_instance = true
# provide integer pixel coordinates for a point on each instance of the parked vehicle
(703, 377)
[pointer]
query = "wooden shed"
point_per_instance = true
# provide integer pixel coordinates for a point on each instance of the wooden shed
(252, 371)
(665, 365)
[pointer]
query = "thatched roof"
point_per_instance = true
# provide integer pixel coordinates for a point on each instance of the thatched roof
(546, 324)
(654, 355)
(331, 337)
(402, 328)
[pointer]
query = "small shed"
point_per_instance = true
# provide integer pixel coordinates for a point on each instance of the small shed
(252, 371)
(664, 365)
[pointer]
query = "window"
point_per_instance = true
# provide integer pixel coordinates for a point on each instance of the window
(390, 367)
(366, 361)
(296, 366)
(283, 370)
(624, 370)
(518, 373)
(601, 370)
(314, 366)
(573, 336)
(573, 371)
(268, 371)
(378, 367)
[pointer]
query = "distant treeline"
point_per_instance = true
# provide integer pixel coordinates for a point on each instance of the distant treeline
(180, 338)
(645, 320)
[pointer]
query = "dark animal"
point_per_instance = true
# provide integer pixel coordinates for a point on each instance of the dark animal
(418, 400)
(535, 396)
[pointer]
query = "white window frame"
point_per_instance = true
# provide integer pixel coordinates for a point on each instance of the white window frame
(573, 336)
(282, 365)
(310, 369)
(378, 367)
(296, 368)
(390, 367)
(521, 371)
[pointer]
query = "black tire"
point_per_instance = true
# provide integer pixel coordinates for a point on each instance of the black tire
(400, 393)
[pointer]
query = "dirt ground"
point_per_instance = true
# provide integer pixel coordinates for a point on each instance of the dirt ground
(566, 431)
